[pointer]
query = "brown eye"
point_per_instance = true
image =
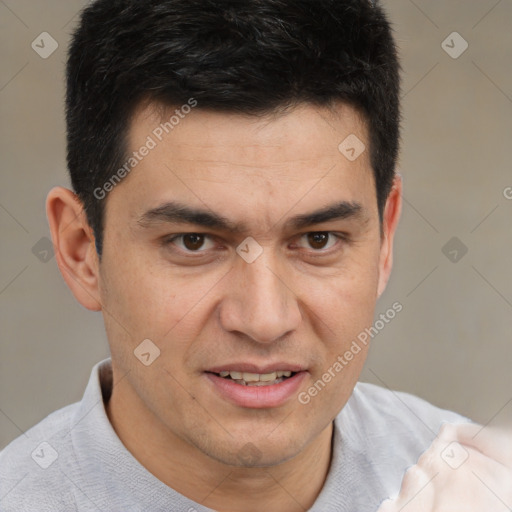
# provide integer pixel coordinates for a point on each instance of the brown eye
(320, 243)
(318, 240)
(193, 241)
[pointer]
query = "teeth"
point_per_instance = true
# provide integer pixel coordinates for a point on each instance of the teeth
(259, 383)
(251, 377)
(257, 379)
(267, 377)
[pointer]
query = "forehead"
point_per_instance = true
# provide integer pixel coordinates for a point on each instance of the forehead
(237, 164)
(305, 132)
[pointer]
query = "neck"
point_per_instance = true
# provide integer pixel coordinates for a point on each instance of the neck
(291, 486)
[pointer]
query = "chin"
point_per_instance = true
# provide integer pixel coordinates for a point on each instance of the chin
(254, 452)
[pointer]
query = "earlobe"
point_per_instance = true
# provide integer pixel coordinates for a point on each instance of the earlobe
(73, 241)
(391, 216)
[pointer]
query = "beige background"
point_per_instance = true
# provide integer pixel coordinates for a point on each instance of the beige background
(451, 344)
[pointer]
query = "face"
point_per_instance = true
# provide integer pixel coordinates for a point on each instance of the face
(250, 246)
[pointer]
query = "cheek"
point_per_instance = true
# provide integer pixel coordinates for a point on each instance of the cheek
(154, 301)
(343, 308)
(138, 304)
(344, 301)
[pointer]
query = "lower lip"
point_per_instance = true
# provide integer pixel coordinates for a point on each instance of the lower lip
(257, 397)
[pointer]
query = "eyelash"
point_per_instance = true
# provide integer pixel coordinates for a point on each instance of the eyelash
(342, 237)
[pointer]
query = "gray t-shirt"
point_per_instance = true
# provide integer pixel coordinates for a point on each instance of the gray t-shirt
(74, 461)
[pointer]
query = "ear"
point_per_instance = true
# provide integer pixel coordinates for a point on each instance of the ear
(74, 246)
(390, 219)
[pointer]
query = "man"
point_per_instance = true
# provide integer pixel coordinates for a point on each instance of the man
(234, 207)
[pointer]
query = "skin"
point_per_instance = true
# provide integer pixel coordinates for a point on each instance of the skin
(297, 302)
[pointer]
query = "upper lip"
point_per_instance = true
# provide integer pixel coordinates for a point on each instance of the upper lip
(254, 368)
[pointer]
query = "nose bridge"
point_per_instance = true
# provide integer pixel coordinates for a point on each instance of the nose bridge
(259, 302)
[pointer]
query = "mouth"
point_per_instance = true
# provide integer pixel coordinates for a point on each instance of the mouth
(254, 387)
(256, 379)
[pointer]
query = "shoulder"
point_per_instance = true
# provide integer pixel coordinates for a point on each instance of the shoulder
(401, 417)
(34, 465)
(404, 409)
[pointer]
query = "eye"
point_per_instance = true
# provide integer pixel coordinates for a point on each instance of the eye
(190, 242)
(319, 240)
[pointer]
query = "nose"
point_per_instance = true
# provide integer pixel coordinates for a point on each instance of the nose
(260, 302)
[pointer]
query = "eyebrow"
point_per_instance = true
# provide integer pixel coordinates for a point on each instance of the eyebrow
(179, 213)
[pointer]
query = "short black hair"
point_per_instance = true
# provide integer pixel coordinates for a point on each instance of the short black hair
(252, 57)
